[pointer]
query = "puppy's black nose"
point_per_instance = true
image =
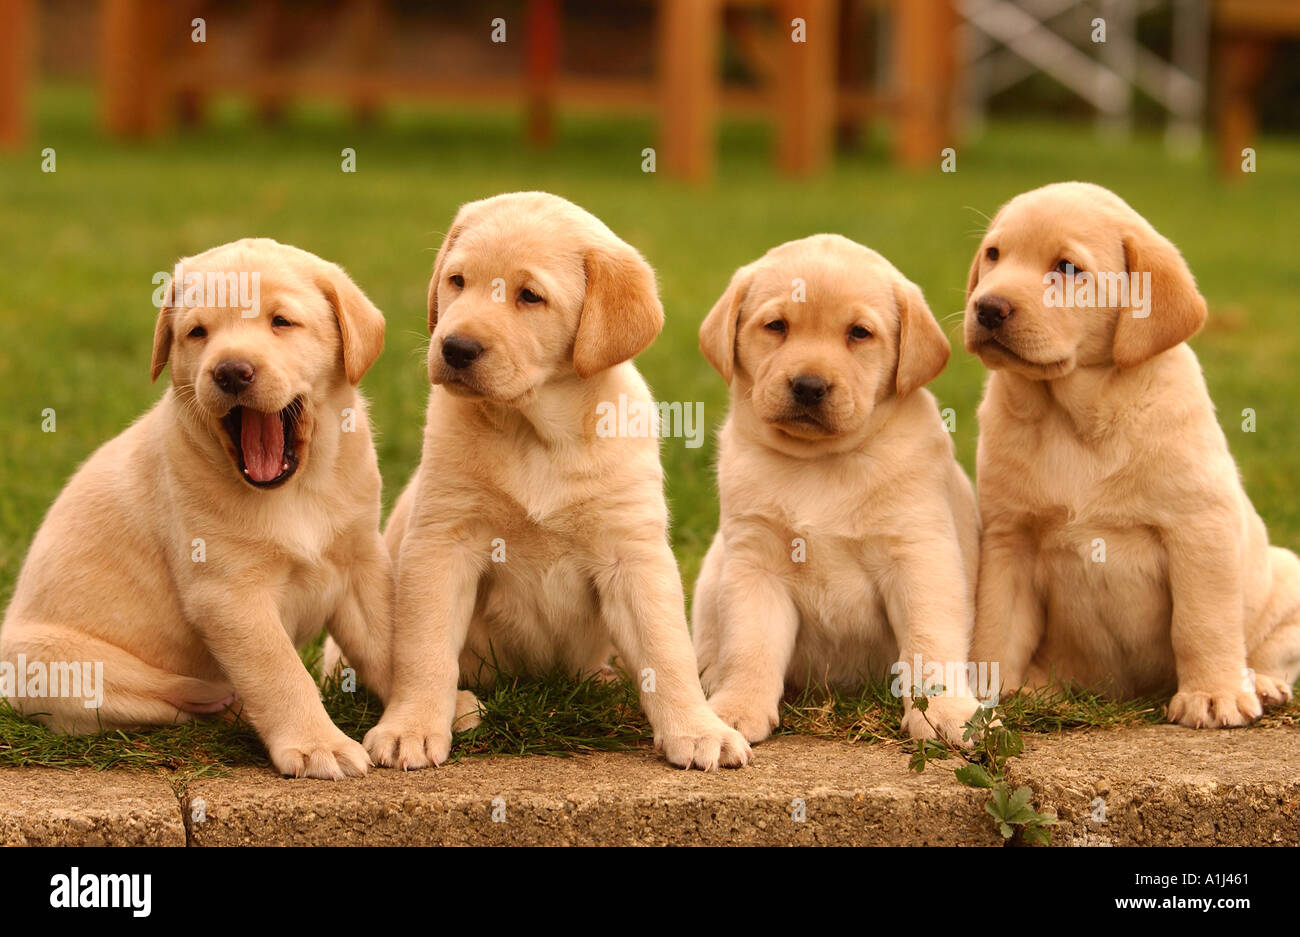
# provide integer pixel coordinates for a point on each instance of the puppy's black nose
(460, 352)
(808, 389)
(992, 311)
(233, 375)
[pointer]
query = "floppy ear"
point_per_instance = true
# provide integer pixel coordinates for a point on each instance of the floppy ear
(621, 313)
(440, 263)
(360, 323)
(923, 349)
(718, 330)
(1175, 310)
(162, 342)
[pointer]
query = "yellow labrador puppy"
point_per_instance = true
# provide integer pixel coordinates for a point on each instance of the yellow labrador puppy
(190, 555)
(1120, 551)
(528, 539)
(848, 539)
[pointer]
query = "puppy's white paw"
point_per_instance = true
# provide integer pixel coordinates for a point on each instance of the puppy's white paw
(1220, 709)
(704, 742)
(1271, 691)
(328, 755)
(331, 659)
(947, 714)
(468, 712)
(408, 742)
(754, 719)
(211, 707)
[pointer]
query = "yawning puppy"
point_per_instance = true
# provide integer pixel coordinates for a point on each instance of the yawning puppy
(191, 554)
(848, 536)
(529, 540)
(1120, 551)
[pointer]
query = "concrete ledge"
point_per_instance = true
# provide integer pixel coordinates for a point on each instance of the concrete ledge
(853, 794)
(1161, 785)
(49, 807)
(1168, 786)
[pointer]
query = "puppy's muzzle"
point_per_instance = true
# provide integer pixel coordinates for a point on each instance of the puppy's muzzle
(808, 390)
(459, 352)
(992, 311)
(234, 375)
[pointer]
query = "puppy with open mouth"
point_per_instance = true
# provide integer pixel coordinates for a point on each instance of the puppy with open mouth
(847, 544)
(1120, 551)
(195, 552)
(528, 540)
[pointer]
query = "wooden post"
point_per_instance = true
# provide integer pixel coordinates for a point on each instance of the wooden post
(133, 95)
(689, 31)
(270, 37)
(1241, 60)
(192, 100)
(15, 69)
(542, 36)
(805, 85)
(367, 23)
(850, 66)
(925, 59)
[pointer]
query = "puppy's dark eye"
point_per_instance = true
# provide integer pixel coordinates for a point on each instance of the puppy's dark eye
(529, 297)
(197, 332)
(991, 253)
(777, 326)
(859, 332)
(457, 281)
(280, 322)
(1067, 268)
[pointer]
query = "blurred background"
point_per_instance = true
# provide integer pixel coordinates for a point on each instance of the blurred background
(133, 132)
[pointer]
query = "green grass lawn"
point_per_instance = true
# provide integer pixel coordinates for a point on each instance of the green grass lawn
(81, 245)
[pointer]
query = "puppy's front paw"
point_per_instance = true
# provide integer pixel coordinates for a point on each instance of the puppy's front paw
(1221, 709)
(1271, 691)
(705, 743)
(408, 742)
(754, 719)
(326, 754)
(468, 712)
(947, 714)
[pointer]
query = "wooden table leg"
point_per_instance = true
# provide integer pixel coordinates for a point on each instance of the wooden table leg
(805, 86)
(15, 69)
(689, 31)
(924, 37)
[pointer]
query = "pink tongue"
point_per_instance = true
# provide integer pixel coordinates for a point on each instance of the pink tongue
(262, 437)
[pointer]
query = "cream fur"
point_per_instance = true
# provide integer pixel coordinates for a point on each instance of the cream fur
(512, 462)
(885, 515)
(111, 576)
(1097, 430)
